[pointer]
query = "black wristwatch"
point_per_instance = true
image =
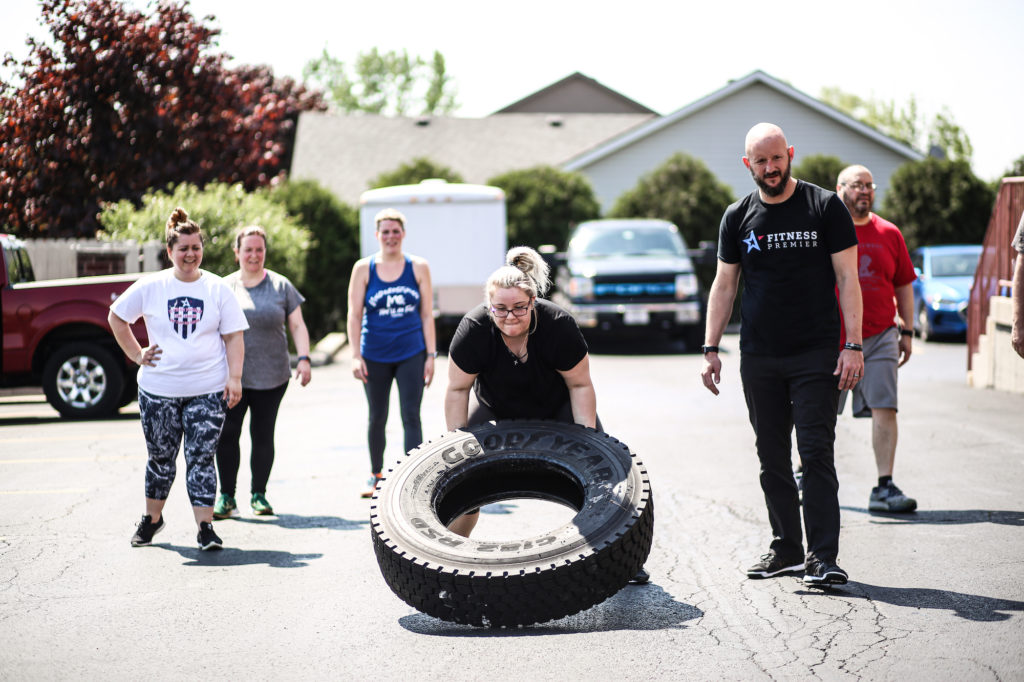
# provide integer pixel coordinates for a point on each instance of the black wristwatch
(907, 332)
(304, 357)
(708, 349)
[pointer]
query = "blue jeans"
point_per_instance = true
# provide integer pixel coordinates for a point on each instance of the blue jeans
(380, 375)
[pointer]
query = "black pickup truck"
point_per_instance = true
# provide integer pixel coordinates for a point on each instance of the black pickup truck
(631, 276)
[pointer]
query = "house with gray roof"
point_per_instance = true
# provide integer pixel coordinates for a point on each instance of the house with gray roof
(576, 94)
(713, 128)
(580, 125)
(346, 152)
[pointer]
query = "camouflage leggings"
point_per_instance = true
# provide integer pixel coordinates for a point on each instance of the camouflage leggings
(199, 419)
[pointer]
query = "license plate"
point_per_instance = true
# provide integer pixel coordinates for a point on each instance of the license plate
(636, 317)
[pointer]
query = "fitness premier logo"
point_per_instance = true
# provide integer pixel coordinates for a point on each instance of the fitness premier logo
(185, 312)
(806, 239)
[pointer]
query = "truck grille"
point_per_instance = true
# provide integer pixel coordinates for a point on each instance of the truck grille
(632, 288)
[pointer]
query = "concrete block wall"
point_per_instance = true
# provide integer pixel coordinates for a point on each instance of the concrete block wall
(995, 364)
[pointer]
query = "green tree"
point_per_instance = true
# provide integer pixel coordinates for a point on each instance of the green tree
(220, 209)
(938, 201)
(681, 190)
(118, 101)
(413, 172)
(333, 251)
(1016, 169)
(946, 135)
(905, 123)
(820, 169)
(390, 83)
(902, 124)
(544, 203)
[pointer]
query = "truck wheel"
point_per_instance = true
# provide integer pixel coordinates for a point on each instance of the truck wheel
(523, 580)
(83, 380)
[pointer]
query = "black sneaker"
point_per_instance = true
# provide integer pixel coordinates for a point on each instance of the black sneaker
(771, 565)
(819, 573)
(642, 577)
(147, 529)
(207, 538)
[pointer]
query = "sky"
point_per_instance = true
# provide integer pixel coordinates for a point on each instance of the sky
(966, 57)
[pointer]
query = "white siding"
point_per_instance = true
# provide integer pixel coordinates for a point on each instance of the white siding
(715, 135)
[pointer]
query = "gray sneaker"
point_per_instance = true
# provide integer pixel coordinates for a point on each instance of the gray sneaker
(889, 498)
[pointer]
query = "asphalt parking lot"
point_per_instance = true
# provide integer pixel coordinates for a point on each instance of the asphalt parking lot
(936, 595)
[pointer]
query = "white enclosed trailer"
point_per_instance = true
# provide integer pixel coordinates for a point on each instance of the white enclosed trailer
(460, 229)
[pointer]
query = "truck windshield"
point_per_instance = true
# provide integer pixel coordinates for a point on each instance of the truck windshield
(642, 241)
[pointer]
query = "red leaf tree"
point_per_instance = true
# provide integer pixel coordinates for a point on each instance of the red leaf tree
(121, 101)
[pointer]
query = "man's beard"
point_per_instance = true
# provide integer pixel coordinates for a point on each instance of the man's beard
(855, 211)
(778, 189)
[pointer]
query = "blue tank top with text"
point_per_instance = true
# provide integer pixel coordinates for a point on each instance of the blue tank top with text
(392, 329)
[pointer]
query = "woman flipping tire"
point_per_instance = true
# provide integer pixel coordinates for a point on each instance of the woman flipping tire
(519, 581)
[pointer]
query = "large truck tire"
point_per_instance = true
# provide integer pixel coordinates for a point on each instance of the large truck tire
(83, 380)
(518, 581)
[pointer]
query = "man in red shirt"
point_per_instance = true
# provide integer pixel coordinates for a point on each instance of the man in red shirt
(885, 274)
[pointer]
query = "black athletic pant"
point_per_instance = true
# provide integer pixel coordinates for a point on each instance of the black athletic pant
(801, 391)
(263, 406)
(408, 374)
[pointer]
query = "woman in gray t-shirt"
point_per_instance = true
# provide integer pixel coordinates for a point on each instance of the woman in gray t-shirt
(269, 302)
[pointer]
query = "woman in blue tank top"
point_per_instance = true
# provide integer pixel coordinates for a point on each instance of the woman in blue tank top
(390, 311)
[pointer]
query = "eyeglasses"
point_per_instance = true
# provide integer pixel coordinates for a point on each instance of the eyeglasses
(859, 186)
(518, 311)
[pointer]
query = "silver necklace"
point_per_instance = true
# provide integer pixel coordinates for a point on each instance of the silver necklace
(517, 357)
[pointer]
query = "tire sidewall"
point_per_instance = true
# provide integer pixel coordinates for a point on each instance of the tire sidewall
(615, 490)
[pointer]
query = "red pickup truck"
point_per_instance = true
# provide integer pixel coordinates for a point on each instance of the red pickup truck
(55, 335)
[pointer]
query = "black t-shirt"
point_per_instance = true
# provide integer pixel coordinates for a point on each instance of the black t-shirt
(533, 389)
(785, 252)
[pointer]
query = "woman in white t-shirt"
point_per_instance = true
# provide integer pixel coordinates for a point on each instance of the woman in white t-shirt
(189, 374)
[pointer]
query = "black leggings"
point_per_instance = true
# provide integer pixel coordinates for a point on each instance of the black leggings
(263, 405)
(380, 375)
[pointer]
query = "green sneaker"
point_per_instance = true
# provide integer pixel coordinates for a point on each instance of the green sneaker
(260, 506)
(225, 507)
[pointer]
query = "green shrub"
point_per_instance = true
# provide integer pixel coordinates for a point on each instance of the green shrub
(334, 226)
(220, 210)
(683, 191)
(544, 203)
(936, 201)
(820, 169)
(414, 172)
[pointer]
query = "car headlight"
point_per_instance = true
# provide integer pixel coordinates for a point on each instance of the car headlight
(581, 288)
(686, 285)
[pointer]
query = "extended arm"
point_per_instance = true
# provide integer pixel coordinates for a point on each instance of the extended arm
(582, 396)
(300, 335)
(456, 397)
(234, 345)
(1017, 334)
(720, 301)
(356, 295)
(422, 271)
(851, 362)
(905, 309)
